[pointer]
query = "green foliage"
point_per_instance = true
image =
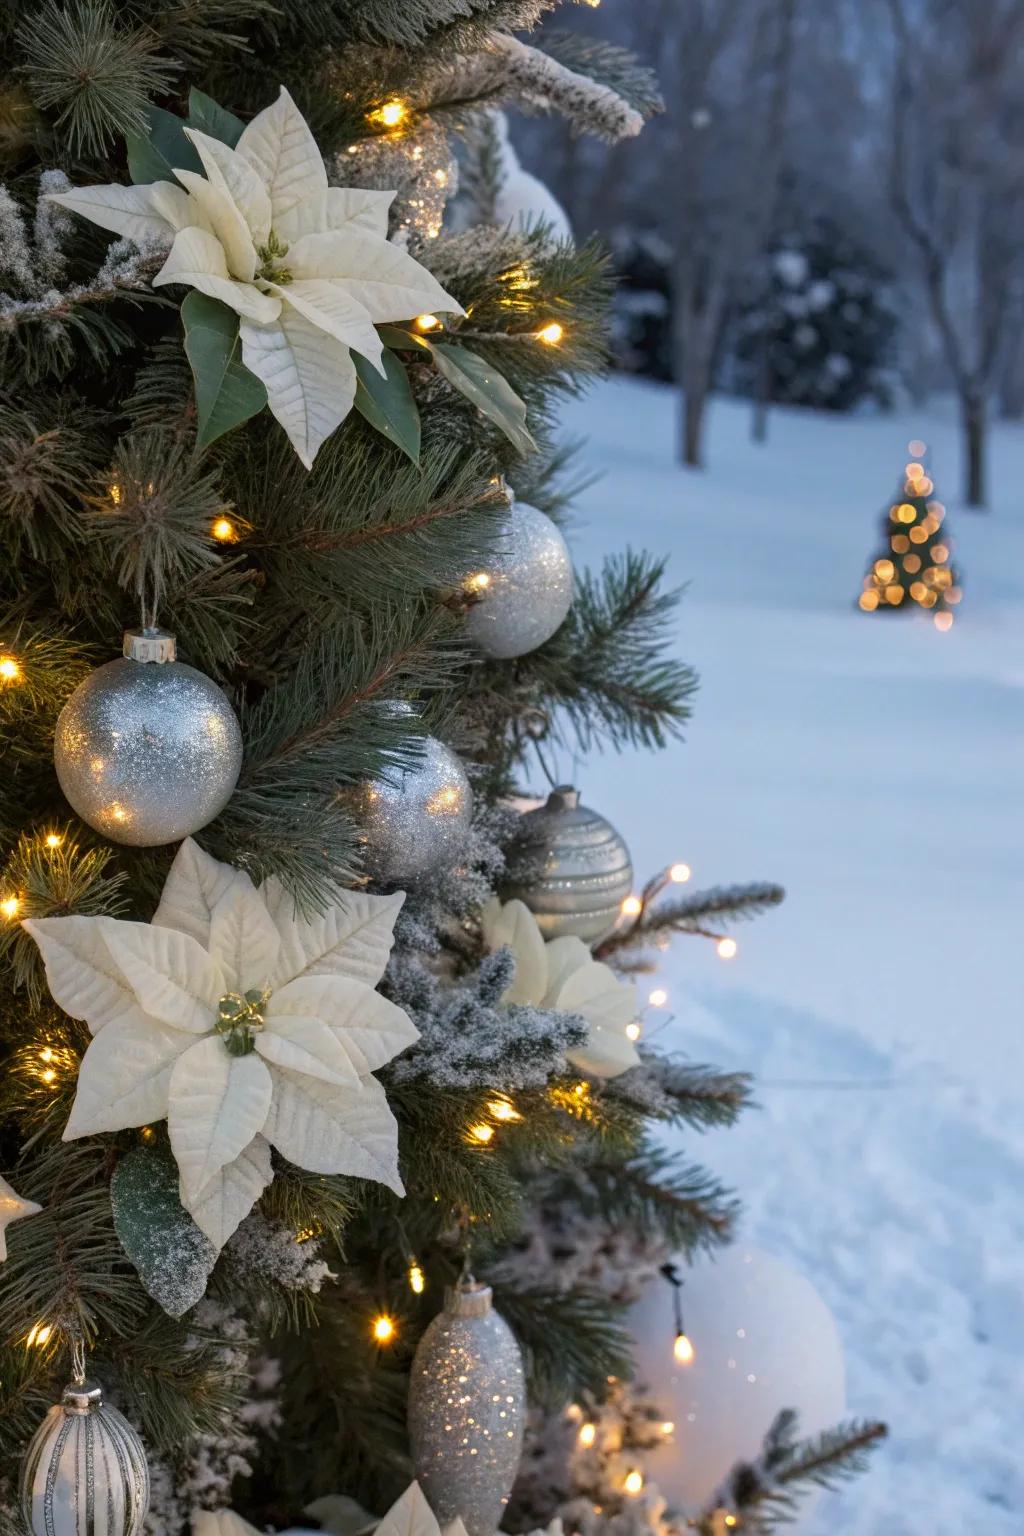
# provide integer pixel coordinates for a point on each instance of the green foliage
(226, 392)
(173, 1258)
(694, 914)
(387, 402)
(485, 388)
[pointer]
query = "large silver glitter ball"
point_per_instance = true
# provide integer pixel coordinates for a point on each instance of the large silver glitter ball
(467, 1404)
(84, 1471)
(147, 750)
(524, 593)
(417, 819)
(570, 867)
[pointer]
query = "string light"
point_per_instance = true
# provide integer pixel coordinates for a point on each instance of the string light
(633, 1031)
(482, 1133)
(658, 998)
(943, 621)
(668, 1428)
(633, 1482)
(53, 839)
(587, 1435)
(417, 1279)
(10, 671)
(224, 530)
(503, 1109)
(726, 948)
(916, 448)
(730, 1521)
(551, 334)
(10, 906)
(632, 906)
(391, 114)
(148, 1135)
(683, 1349)
(478, 582)
(427, 323)
(39, 1336)
(680, 873)
(384, 1329)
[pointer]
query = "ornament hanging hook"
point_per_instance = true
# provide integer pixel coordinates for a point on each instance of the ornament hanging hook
(78, 1360)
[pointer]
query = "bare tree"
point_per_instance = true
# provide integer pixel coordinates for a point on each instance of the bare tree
(957, 181)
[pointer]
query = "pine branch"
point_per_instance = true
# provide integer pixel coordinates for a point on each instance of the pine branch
(572, 1341)
(684, 1094)
(693, 914)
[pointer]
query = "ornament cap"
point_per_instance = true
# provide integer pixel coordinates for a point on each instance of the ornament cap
(82, 1397)
(563, 798)
(468, 1299)
(149, 644)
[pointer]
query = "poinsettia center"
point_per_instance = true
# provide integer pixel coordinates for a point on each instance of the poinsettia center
(240, 1018)
(271, 255)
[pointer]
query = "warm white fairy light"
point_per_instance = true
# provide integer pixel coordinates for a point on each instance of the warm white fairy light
(633, 1031)
(417, 1279)
(680, 873)
(683, 1349)
(551, 334)
(587, 1435)
(633, 1482)
(658, 998)
(632, 906)
(10, 671)
(726, 948)
(383, 1329)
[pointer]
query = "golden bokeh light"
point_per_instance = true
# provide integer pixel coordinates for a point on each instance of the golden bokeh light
(726, 948)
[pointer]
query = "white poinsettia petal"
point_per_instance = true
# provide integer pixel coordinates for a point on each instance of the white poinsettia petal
(230, 173)
(197, 259)
(337, 208)
(195, 884)
(334, 1130)
(283, 152)
(309, 377)
(226, 223)
(243, 939)
(513, 923)
(388, 282)
(303, 1043)
(607, 1053)
(132, 212)
(352, 938)
(231, 1194)
(172, 976)
(124, 1077)
(220, 1522)
(410, 1515)
(564, 956)
(218, 1103)
(82, 975)
(608, 1005)
(12, 1208)
(331, 308)
(367, 1027)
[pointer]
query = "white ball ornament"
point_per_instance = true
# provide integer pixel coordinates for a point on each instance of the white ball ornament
(147, 750)
(525, 592)
(85, 1471)
(762, 1340)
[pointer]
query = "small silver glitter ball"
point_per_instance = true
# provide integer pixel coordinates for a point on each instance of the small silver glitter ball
(525, 591)
(467, 1406)
(146, 749)
(570, 867)
(418, 820)
(85, 1470)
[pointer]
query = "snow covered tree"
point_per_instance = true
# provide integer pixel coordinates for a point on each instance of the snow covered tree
(283, 1056)
(914, 565)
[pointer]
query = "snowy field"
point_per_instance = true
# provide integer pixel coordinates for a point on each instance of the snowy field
(873, 766)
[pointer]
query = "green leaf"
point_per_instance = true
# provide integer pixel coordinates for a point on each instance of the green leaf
(488, 390)
(226, 392)
(156, 155)
(173, 1257)
(387, 402)
(210, 118)
(397, 336)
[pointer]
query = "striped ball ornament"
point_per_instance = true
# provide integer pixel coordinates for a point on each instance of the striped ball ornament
(570, 867)
(85, 1472)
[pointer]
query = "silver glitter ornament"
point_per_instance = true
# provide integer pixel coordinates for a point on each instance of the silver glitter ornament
(467, 1405)
(85, 1470)
(524, 593)
(418, 164)
(570, 867)
(419, 820)
(147, 750)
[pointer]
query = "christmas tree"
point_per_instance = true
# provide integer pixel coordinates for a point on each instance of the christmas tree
(327, 1124)
(915, 563)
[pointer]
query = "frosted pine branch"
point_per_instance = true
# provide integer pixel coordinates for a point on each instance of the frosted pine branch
(540, 81)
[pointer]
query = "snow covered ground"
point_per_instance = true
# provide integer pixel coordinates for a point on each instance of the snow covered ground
(873, 766)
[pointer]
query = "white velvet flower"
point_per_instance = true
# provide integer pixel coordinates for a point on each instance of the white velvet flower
(12, 1208)
(562, 975)
(243, 1024)
(307, 267)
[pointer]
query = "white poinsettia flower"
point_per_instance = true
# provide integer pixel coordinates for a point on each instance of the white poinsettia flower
(243, 1024)
(562, 975)
(307, 267)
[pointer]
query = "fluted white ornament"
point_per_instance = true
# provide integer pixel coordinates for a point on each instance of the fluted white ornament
(85, 1471)
(467, 1405)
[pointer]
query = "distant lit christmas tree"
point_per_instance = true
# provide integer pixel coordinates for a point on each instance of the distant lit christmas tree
(915, 565)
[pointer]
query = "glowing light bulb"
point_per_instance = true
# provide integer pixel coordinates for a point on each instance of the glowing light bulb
(53, 839)
(48, 1076)
(683, 1350)
(943, 621)
(10, 906)
(427, 323)
(633, 1482)
(148, 1135)
(680, 873)
(916, 448)
(503, 1109)
(633, 1031)
(417, 1279)
(224, 530)
(482, 1133)
(587, 1435)
(479, 582)
(726, 948)
(384, 1329)
(730, 1521)
(658, 998)
(668, 1428)
(391, 114)
(39, 1336)
(868, 601)
(632, 906)
(551, 334)
(10, 671)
